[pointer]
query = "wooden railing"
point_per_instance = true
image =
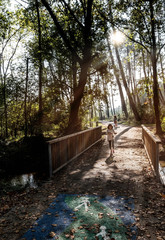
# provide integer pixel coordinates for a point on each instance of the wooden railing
(151, 144)
(65, 149)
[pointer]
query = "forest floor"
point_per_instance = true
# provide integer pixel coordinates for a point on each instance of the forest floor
(128, 174)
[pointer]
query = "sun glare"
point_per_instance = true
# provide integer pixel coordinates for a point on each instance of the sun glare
(117, 37)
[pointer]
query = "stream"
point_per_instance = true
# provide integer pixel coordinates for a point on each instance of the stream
(20, 182)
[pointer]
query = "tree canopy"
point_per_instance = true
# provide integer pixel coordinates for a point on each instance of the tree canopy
(61, 67)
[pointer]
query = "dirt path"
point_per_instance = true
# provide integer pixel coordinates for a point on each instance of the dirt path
(127, 174)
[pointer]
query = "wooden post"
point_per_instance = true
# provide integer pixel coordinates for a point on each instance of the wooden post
(50, 160)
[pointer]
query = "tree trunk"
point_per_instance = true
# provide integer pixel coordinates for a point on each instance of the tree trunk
(130, 83)
(107, 106)
(112, 101)
(161, 97)
(112, 113)
(123, 105)
(163, 76)
(40, 70)
(146, 79)
(5, 107)
(154, 67)
(132, 104)
(74, 123)
(26, 89)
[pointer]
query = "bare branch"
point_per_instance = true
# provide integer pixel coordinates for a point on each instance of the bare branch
(9, 40)
(160, 51)
(61, 31)
(8, 64)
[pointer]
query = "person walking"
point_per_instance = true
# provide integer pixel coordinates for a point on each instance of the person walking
(110, 138)
(115, 121)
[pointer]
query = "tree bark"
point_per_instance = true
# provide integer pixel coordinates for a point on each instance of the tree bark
(112, 101)
(132, 104)
(5, 108)
(154, 67)
(163, 76)
(74, 123)
(146, 79)
(26, 89)
(40, 66)
(123, 105)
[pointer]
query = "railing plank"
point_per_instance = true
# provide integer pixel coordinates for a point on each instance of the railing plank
(151, 144)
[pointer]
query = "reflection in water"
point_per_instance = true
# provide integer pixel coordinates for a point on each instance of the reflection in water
(25, 180)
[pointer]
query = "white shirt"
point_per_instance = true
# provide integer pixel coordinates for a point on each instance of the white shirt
(110, 134)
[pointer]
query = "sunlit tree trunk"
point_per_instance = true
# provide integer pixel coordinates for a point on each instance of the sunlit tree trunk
(134, 82)
(112, 113)
(115, 70)
(132, 104)
(113, 106)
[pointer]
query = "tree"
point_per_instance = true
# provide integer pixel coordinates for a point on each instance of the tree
(79, 40)
(132, 104)
(116, 73)
(40, 66)
(144, 21)
(7, 35)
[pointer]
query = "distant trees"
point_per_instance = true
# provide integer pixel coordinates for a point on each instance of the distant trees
(8, 34)
(144, 26)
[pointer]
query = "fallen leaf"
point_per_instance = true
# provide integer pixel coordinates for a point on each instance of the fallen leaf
(54, 225)
(52, 234)
(72, 231)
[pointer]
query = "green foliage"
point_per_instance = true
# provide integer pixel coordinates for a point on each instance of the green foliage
(163, 124)
(163, 118)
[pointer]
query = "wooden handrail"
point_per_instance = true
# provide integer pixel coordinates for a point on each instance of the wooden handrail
(65, 149)
(151, 144)
(70, 135)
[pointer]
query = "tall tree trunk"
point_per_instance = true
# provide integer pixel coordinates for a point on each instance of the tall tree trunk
(146, 79)
(107, 106)
(5, 107)
(74, 72)
(84, 61)
(163, 76)
(112, 113)
(26, 89)
(130, 83)
(74, 123)
(115, 70)
(161, 97)
(40, 67)
(154, 67)
(132, 104)
(105, 95)
(134, 84)
(113, 106)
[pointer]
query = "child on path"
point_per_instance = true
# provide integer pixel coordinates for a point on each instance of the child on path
(115, 121)
(110, 138)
